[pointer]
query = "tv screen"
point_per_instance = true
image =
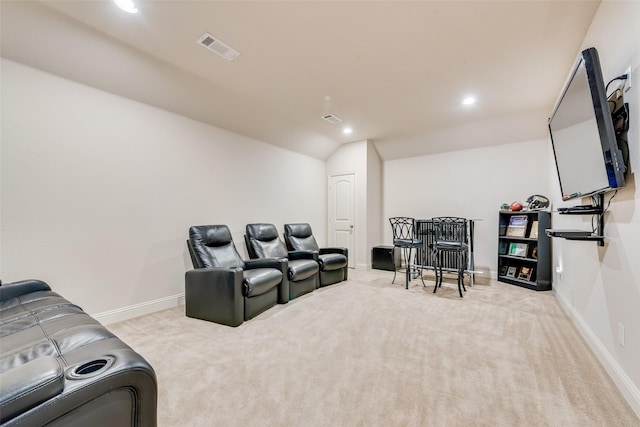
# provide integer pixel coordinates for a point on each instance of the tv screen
(587, 157)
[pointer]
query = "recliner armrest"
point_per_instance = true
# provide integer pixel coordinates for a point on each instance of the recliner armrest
(15, 289)
(303, 255)
(28, 385)
(335, 250)
(215, 294)
(221, 275)
(343, 251)
(281, 264)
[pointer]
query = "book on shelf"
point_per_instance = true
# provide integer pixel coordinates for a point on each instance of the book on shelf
(503, 247)
(518, 249)
(502, 226)
(533, 233)
(517, 226)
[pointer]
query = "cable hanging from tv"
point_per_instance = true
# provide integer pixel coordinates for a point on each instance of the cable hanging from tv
(620, 77)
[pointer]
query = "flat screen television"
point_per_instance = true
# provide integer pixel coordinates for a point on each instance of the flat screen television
(586, 152)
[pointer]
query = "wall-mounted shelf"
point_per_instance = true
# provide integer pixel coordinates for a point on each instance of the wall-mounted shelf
(597, 236)
(594, 211)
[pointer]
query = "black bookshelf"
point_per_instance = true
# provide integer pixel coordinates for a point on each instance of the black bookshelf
(524, 252)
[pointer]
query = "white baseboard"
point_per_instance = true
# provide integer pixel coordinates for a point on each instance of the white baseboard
(136, 310)
(628, 389)
(362, 267)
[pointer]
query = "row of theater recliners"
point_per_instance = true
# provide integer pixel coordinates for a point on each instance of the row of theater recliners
(223, 288)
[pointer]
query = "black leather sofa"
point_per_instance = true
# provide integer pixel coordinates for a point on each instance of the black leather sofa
(61, 367)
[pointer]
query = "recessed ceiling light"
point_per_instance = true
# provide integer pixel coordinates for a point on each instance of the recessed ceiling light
(469, 100)
(126, 5)
(347, 131)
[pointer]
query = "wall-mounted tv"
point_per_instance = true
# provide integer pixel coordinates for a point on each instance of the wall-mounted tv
(586, 152)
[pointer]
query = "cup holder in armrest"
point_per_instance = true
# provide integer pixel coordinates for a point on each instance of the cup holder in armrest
(90, 368)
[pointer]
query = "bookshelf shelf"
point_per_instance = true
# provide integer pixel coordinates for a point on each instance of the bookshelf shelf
(517, 258)
(524, 250)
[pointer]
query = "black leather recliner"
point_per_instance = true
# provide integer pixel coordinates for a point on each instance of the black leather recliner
(263, 242)
(225, 289)
(333, 261)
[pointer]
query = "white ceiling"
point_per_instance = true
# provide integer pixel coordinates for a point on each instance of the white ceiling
(395, 71)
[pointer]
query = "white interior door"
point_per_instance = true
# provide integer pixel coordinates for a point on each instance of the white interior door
(342, 213)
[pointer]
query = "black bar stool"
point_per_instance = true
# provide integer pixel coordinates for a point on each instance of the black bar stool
(450, 237)
(404, 238)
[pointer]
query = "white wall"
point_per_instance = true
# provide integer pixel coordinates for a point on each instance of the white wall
(600, 286)
(98, 191)
(471, 184)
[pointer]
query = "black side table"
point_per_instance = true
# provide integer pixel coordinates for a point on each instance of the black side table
(385, 258)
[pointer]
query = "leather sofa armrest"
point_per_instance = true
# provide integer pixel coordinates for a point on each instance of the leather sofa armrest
(281, 264)
(15, 289)
(28, 385)
(303, 255)
(342, 251)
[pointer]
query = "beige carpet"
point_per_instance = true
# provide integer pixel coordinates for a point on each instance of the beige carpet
(369, 353)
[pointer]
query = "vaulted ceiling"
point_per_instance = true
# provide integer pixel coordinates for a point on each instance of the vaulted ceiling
(394, 71)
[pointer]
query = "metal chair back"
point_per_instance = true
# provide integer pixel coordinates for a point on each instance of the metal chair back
(404, 237)
(403, 228)
(450, 232)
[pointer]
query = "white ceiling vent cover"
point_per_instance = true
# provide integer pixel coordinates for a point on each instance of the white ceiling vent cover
(331, 118)
(219, 47)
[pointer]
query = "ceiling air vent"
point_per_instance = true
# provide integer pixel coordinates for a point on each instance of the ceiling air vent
(331, 118)
(219, 47)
